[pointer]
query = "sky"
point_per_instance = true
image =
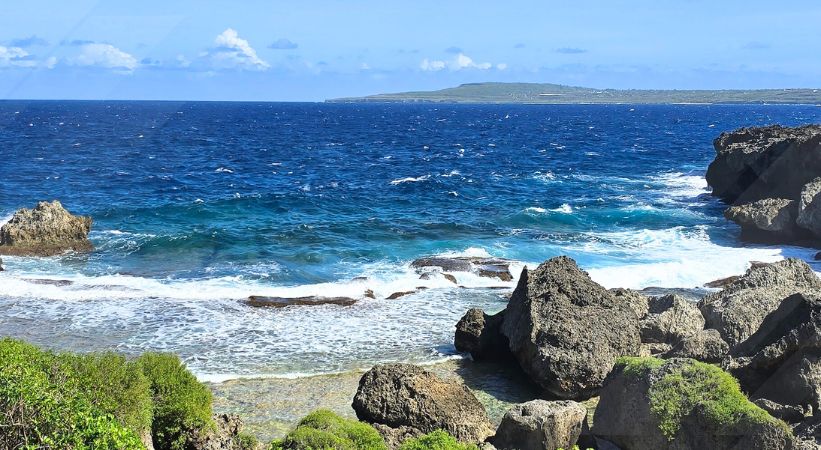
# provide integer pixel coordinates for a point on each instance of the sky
(313, 50)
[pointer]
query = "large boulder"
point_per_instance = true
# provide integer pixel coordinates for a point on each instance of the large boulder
(649, 404)
(782, 360)
(46, 230)
(766, 220)
(404, 395)
(567, 331)
(738, 310)
(767, 162)
(670, 319)
(480, 335)
(809, 207)
(706, 346)
(541, 425)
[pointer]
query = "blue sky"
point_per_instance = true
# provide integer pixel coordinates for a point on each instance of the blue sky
(313, 50)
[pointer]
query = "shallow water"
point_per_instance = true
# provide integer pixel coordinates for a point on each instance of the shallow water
(199, 205)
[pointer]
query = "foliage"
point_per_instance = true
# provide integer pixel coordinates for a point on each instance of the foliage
(714, 392)
(44, 404)
(181, 403)
(636, 366)
(247, 441)
(437, 440)
(322, 429)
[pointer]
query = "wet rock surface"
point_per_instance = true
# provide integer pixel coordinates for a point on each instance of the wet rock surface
(260, 301)
(483, 267)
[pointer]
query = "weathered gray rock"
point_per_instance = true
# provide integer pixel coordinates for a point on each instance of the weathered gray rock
(654, 349)
(567, 331)
(808, 433)
(787, 413)
(766, 220)
(767, 162)
(626, 416)
(738, 310)
(541, 425)
(809, 207)
(670, 319)
(1, 265)
(706, 346)
(782, 360)
(394, 437)
(639, 303)
(224, 436)
(46, 230)
(398, 395)
(480, 335)
(261, 301)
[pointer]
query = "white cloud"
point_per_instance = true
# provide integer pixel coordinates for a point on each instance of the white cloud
(233, 52)
(432, 66)
(459, 62)
(15, 57)
(105, 56)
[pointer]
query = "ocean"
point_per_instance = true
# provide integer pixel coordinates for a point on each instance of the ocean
(199, 205)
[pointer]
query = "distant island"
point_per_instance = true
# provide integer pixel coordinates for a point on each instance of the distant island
(546, 93)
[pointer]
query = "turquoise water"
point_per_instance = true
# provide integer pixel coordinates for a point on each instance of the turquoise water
(199, 205)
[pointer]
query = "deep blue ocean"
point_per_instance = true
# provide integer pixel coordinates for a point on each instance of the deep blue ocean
(196, 206)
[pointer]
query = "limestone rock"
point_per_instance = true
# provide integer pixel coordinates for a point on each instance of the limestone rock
(809, 207)
(541, 425)
(404, 395)
(567, 331)
(46, 230)
(670, 319)
(479, 334)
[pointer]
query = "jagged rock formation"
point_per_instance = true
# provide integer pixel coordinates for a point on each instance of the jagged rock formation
(46, 230)
(772, 177)
(540, 424)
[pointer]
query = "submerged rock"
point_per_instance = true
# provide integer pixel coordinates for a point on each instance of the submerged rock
(738, 310)
(261, 301)
(649, 404)
(483, 267)
(46, 230)
(541, 425)
(567, 331)
(404, 395)
(480, 335)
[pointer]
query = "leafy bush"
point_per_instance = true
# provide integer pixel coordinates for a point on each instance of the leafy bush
(247, 441)
(437, 440)
(44, 404)
(181, 403)
(322, 429)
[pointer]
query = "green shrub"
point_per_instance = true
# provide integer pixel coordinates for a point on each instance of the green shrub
(44, 405)
(247, 441)
(324, 430)
(181, 403)
(437, 440)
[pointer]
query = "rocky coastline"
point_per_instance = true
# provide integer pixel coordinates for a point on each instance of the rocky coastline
(737, 368)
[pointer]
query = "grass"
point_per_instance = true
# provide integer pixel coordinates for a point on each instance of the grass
(692, 385)
(324, 430)
(437, 440)
(97, 401)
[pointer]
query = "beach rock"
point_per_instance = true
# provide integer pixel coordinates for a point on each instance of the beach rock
(766, 220)
(787, 413)
(809, 207)
(483, 267)
(670, 319)
(404, 395)
(647, 404)
(653, 349)
(639, 303)
(765, 162)
(394, 437)
(541, 425)
(396, 295)
(449, 277)
(46, 230)
(738, 310)
(480, 335)
(782, 360)
(706, 346)
(261, 301)
(566, 331)
(224, 436)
